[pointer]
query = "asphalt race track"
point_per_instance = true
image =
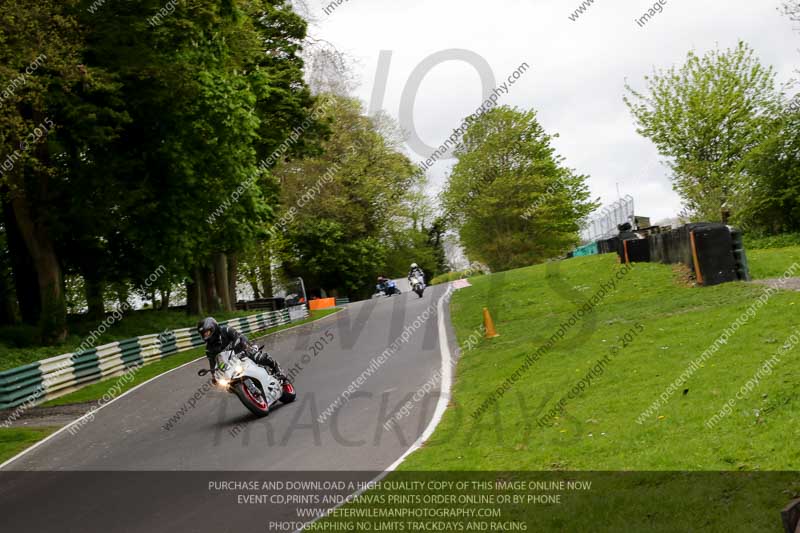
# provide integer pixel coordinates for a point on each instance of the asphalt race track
(146, 460)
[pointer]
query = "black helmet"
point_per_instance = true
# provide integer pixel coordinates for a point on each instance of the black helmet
(208, 329)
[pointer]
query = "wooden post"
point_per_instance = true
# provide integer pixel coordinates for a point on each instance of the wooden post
(694, 258)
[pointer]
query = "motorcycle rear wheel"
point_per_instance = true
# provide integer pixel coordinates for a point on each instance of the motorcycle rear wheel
(259, 406)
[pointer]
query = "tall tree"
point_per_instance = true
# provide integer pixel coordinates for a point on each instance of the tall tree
(8, 313)
(416, 236)
(509, 195)
(41, 48)
(339, 206)
(212, 91)
(707, 116)
(774, 205)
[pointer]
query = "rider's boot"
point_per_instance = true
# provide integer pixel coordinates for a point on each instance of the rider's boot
(267, 361)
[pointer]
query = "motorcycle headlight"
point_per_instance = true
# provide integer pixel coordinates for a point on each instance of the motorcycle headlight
(222, 382)
(238, 370)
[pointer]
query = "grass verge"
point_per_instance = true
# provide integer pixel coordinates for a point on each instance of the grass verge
(681, 474)
(676, 324)
(14, 440)
(452, 276)
(772, 262)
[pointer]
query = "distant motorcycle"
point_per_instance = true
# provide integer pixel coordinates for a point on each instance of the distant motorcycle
(388, 288)
(255, 387)
(417, 285)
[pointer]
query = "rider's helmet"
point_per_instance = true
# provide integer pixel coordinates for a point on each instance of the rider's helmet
(414, 265)
(381, 279)
(208, 329)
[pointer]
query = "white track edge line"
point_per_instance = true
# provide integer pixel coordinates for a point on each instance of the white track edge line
(438, 413)
(70, 424)
(90, 412)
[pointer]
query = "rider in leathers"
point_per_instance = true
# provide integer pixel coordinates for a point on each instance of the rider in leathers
(218, 338)
(416, 271)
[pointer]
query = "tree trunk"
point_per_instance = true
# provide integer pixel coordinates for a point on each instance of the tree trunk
(194, 299)
(211, 302)
(123, 293)
(25, 281)
(221, 281)
(165, 299)
(233, 276)
(7, 301)
(256, 292)
(53, 318)
(94, 297)
(200, 278)
(265, 269)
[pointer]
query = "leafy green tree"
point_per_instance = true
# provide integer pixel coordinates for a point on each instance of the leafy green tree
(255, 268)
(340, 206)
(411, 246)
(35, 100)
(8, 307)
(158, 144)
(509, 195)
(212, 92)
(707, 116)
(417, 237)
(775, 165)
(774, 205)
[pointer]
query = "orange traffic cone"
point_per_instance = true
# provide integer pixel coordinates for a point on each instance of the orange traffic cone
(488, 324)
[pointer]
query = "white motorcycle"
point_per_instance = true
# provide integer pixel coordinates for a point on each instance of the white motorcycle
(417, 285)
(255, 387)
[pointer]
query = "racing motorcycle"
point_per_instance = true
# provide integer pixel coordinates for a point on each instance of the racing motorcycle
(255, 387)
(387, 288)
(417, 284)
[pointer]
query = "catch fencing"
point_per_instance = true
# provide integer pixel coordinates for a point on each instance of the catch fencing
(50, 378)
(604, 223)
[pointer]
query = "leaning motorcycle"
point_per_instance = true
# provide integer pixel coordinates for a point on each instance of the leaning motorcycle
(417, 285)
(255, 387)
(388, 288)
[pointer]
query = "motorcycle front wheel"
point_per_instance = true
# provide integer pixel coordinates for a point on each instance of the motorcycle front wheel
(255, 403)
(289, 394)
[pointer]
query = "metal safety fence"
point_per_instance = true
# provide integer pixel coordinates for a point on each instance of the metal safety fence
(50, 378)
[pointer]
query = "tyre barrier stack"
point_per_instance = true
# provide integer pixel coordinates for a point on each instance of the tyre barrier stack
(714, 252)
(50, 378)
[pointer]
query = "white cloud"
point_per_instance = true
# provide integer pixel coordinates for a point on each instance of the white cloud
(578, 69)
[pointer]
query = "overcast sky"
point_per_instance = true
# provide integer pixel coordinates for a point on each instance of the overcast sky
(577, 75)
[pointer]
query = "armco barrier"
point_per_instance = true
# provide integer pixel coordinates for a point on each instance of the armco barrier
(50, 378)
